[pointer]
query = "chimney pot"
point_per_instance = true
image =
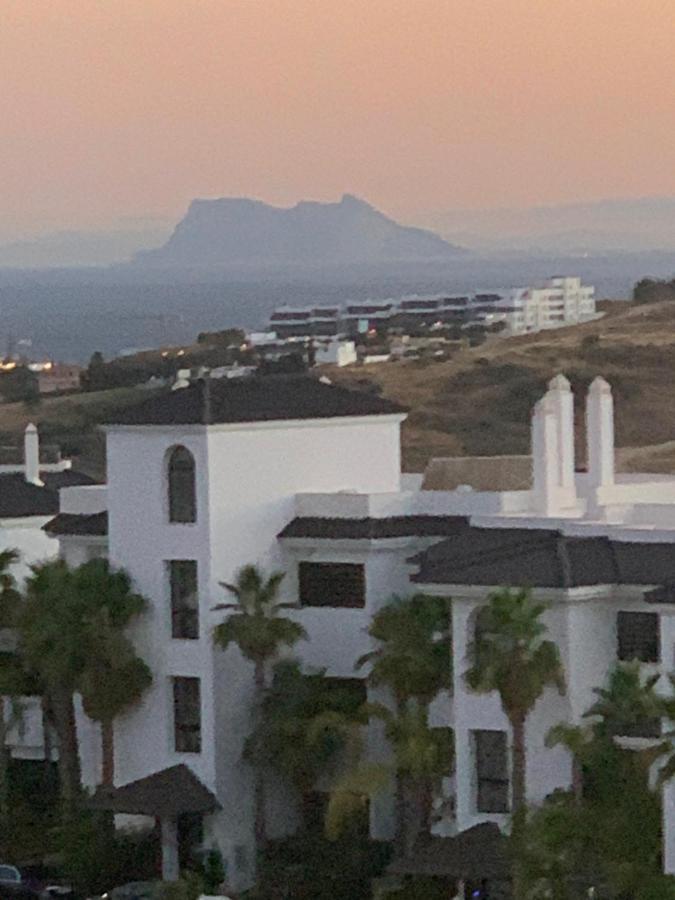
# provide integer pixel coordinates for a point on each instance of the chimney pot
(31, 451)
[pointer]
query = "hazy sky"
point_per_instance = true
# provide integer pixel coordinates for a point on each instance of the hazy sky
(115, 108)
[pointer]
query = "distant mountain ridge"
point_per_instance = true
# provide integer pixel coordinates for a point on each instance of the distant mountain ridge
(234, 231)
(621, 225)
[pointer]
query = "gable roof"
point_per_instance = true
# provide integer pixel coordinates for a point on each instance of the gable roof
(19, 498)
(94, 524)
(166, 793)
(256, 399)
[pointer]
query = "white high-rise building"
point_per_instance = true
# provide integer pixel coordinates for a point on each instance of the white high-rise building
(558, 302)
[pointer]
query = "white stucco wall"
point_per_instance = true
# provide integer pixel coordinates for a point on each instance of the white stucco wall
(26, 536)
(247, 478)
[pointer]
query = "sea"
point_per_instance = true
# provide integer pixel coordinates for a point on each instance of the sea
(67, 314)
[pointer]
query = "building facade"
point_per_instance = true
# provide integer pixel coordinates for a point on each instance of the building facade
(558, 302)
(302, 476)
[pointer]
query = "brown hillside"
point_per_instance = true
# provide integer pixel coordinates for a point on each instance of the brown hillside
(479, 401)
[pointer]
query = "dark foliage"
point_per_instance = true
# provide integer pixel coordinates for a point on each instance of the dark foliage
(653, 290)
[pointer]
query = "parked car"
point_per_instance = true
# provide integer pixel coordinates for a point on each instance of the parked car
(13, 886)
(133, 890)
(16, 884)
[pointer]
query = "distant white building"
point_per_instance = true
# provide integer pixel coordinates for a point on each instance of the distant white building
(334, 353)
(558, 302)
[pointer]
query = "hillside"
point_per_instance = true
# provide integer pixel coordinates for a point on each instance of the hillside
(478, 402)
(239, 231)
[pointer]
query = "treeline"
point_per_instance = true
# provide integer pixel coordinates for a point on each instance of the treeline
(654, 290)
(219, 348)
(19, 385)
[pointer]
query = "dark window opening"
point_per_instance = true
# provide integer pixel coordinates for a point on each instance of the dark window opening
(190, 839)
(184, 599)
(187, 715)
(647, 727)
(638, 636)
(492, 774)
(314, 808)
(182, 486)
(332, 584)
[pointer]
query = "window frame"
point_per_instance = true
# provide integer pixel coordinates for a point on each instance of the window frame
(179, 610)
(181, 509)
(646, 651)
(187, 736)
(494, 782)
(308, 568)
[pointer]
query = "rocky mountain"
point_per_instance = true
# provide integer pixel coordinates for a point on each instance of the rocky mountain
(233, 231)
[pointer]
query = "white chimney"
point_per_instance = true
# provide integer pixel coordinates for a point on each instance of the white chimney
(545, 456)
(563, 403)
(600, 434)
(31, 451)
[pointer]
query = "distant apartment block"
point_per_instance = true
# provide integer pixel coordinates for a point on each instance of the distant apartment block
(557, 302)
(317, 321)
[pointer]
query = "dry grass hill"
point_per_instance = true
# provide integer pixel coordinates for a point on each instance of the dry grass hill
(478, 402)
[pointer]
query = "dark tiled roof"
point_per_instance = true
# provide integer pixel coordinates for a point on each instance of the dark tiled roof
(95, 524)
(664, 593)
(373, 529)
(19, 498)
(258, 399)
(167, 793)
(538, 558)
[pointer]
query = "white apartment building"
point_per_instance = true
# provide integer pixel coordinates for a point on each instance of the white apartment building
(557, 302)
(303, 476)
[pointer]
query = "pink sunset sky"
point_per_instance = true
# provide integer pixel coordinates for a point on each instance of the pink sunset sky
(130, 108)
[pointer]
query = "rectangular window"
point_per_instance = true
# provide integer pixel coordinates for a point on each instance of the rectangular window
(184, 598)
(187, 715)
(643, 728)
(492, 771)
(638, 636)
(332, 584)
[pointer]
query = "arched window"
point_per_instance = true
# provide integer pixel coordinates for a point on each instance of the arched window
(182, 487)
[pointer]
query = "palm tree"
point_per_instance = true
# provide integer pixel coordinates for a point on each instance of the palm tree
(413, 660)
(510, 656)
(52, 645)
(304, 725)
(71, 628)
(628, 706)
(626, 856)
(12, 676)
(256, 627)
(413, 657)
(113, 680)
(11, 680)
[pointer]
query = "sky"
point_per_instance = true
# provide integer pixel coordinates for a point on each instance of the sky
(122, 111)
